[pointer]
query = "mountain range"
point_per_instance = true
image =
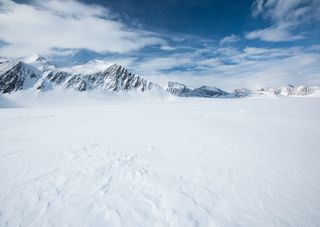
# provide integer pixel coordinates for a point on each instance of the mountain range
(36, 72)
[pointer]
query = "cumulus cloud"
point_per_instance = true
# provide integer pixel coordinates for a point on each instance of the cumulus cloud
(51, 26)
(286, 17)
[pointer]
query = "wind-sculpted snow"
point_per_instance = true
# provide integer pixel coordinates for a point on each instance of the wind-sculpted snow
(180, 163)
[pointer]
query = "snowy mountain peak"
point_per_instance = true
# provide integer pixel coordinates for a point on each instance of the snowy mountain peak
(35, 58)
(39, 62)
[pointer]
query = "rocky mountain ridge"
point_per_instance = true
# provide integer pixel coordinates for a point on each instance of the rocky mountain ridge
(41, 75)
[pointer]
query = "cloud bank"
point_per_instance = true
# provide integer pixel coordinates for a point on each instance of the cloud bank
(53, 26)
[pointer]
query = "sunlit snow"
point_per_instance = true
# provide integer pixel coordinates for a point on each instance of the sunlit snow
(93, 161)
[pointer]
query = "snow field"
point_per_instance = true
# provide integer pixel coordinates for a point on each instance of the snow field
(184, 162)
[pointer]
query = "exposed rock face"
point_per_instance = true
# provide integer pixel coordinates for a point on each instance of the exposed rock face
(203, 91)
(16, 75)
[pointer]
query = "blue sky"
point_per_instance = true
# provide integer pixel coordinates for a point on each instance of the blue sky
(220, 42)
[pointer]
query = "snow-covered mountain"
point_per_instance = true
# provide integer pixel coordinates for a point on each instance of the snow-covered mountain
(290, 90)
(203, 91)
(38, 73)
(286, 90)
(242, 92)
(114, 78)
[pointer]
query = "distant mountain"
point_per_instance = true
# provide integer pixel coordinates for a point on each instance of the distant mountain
(203, 91)
(242, 92)
(286, 90)
(290, 90)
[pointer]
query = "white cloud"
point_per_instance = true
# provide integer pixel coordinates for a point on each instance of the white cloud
(276, 33)
(167, 47)
(286, 17)
(229, 39)
(270, 53)
(47, 25)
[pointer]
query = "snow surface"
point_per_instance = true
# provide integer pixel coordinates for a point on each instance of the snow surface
(159, 162)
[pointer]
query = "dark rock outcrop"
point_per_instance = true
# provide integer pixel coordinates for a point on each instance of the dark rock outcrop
(16, 75)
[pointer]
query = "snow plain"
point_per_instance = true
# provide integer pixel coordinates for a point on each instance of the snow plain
(160, 162)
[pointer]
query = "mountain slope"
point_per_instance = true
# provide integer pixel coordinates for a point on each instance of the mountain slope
(115, 78)
(16, 75)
